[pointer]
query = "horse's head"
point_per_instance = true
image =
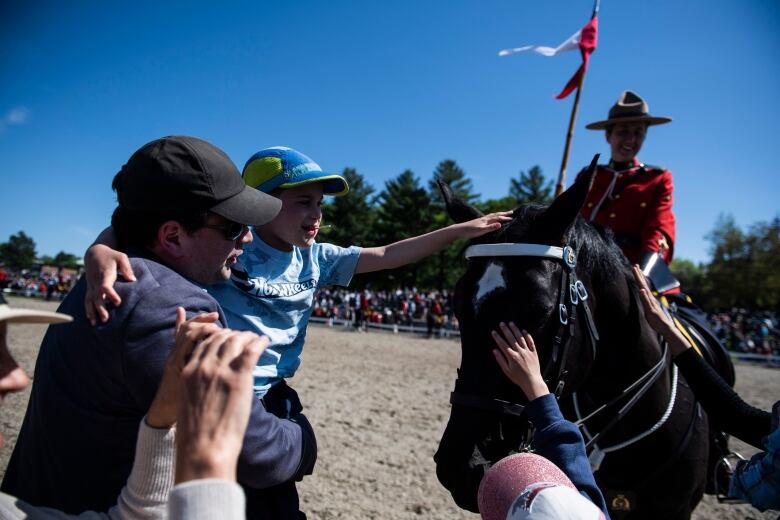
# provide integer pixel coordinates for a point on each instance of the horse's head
(486, 421)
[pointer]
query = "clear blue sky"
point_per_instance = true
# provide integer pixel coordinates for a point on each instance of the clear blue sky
(381, 86)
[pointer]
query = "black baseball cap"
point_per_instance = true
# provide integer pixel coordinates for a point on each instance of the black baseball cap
(181, 174)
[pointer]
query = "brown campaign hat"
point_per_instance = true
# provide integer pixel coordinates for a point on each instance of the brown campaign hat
(630, 108)
(12, 315)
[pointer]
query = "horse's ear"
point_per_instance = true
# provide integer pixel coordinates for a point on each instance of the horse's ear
(555, 222)
(458, 210)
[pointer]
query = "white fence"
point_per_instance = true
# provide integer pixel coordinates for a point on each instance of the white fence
(385, 327)
(770, 360)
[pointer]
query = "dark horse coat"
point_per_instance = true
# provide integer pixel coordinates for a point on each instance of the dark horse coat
(659, 475)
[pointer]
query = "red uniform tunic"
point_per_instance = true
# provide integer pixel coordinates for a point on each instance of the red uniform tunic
(636, 203)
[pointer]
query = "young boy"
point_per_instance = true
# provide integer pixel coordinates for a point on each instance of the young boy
(273, 282)
(273, 286)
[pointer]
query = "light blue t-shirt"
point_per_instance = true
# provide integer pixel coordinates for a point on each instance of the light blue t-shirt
(271, 292)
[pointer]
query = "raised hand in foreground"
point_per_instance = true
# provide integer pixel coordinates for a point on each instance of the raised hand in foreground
(164, 409)
(215, 404)
(517, 357)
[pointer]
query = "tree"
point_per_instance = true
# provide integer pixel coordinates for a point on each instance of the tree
(19, 252)
(439, 272)
(63, 259)
(692, 279)
(531, 187)
(350, 216)
(764, 246)
(449, 172)
(495, 205)
(403, 210)
(728, 271)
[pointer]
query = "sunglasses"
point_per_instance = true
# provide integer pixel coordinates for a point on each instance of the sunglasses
(231, 231)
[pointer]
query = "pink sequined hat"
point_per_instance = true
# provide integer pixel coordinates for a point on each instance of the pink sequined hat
(527, 486)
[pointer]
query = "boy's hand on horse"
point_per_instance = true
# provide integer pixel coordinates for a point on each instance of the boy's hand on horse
(517, 357)
(657, 318)
(416, 248)
(482, 225)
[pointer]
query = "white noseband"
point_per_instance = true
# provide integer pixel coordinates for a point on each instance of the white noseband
(537, 250)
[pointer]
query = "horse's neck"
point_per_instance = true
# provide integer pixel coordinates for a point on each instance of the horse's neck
(628, 348)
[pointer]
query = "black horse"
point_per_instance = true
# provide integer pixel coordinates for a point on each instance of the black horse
(568, 284)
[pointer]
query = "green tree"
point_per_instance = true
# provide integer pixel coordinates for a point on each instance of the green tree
(63, 259)
(19, 252)
(495, 205)
(440, 271)
(727, 272)
(531, 187)
(449, 172)
(764, 247)
(350, 216)
(693, 280)
(403, 210)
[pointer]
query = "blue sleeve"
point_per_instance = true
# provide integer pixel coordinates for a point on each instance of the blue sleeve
(337, 264)
(758, 479)
(560, 442)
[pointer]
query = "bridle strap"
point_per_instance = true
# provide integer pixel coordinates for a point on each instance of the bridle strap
(491, 405)
(509, 249)
(646, 382)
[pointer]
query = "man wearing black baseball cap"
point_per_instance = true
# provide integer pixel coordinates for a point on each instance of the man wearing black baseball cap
(182, 216)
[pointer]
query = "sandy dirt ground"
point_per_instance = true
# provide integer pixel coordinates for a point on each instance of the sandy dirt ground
(379, 403)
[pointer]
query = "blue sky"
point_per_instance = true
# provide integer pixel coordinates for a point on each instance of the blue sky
(381, 86)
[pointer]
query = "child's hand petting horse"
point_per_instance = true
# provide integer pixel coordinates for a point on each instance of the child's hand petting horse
(517, 357)
(482, 225)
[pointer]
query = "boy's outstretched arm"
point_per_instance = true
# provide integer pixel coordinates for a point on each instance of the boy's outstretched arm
(416, 248)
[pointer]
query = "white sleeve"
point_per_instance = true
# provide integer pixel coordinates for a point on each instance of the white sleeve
(207, 499)
(145, 496)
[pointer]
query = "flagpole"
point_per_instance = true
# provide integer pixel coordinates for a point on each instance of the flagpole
(572, 119)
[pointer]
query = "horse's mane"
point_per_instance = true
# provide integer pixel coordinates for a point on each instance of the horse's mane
(595, 245)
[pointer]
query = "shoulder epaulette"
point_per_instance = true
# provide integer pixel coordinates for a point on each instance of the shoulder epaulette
(650, 167)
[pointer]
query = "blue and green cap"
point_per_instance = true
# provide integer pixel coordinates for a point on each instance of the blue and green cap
(282, 167)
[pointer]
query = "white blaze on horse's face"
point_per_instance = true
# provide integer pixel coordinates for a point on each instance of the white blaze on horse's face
(491, 280)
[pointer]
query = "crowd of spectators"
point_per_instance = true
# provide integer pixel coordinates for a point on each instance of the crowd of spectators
(431, 310)
(740, 330)
(749, 332)
(50, 284)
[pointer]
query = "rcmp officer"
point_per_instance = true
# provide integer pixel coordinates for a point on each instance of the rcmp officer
(632, 198)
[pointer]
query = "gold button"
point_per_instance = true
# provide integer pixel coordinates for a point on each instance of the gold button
(611, 215)
(617, 197)
(668, 197)
(643, 205)
(619, 175)
(590, 204)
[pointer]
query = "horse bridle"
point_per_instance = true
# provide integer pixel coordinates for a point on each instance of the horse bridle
(571, 293)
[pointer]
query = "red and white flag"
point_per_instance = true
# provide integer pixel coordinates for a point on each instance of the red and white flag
(584, 40)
